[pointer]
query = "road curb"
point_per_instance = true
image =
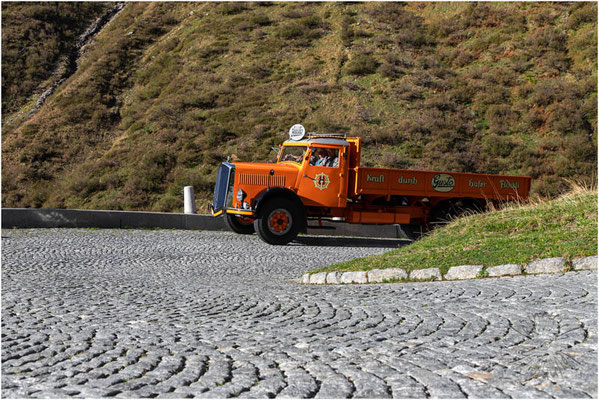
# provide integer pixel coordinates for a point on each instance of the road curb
(462, 272)
(26, 218)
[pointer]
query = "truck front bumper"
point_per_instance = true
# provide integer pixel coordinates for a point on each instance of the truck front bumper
(240, 211)
(214, 214)
(234, 211)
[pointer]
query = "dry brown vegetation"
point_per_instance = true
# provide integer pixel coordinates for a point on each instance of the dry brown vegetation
(168, 90)
(35, 38)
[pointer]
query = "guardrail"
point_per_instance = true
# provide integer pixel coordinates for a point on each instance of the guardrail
(25, 218)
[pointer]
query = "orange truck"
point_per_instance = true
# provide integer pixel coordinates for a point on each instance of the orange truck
(318, 177)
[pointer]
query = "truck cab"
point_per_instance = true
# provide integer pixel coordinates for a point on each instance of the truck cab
(310, 176)
(322, 169)
(318, 176)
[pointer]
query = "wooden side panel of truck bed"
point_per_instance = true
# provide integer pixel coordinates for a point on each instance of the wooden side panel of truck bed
(403, 182)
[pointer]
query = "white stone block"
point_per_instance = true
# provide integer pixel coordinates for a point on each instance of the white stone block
(505, 270)
(334, 277)
(464, 272)
(319, 278)
(306, 278)
(379, 275)
(354, 277)
(585, 263)
(425, 274)
(546, 266)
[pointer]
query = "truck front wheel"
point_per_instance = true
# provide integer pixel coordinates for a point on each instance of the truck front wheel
(242, 225)
(279, 222)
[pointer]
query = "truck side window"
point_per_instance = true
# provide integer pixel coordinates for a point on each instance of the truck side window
(324, 157)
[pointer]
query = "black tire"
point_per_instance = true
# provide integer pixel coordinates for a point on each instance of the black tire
(238, 225)
(279, 221)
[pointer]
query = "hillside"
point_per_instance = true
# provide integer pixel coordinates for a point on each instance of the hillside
(167, 90)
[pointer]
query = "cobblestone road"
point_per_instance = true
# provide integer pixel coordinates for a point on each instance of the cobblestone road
(211, 314)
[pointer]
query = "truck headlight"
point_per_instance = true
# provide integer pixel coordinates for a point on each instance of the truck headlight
(241, 195)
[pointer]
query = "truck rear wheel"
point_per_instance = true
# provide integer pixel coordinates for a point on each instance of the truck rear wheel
(241, 225)
(279, 222)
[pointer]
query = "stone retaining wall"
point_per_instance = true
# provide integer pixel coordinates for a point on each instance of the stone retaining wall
(545, 266)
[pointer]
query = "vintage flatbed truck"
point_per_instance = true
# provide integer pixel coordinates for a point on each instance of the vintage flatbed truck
(319, 177)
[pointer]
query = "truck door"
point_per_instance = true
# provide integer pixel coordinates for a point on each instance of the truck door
(324, 180)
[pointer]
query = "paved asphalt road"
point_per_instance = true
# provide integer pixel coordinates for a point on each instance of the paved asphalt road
(94, 313)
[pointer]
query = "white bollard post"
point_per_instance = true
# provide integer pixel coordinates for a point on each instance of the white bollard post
(189, 201)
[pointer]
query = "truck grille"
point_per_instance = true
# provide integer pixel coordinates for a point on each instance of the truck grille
(224, 186)
(261, 180)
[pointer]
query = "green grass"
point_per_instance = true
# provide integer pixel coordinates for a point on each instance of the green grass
(517, 234)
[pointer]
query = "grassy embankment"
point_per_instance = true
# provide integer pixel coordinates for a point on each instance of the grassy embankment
(518, 234)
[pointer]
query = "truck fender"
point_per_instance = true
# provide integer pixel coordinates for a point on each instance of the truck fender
(270, 193)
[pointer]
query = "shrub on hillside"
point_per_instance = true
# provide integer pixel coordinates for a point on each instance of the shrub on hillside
(361, 64)
(496, 145)
(392, 159)
(230, 8)
(500, 117)
(261, 20)
(408, 28)
(294, 13)
(291, 30)
(583, 13)
(213, 50)
(347, 33)
(388, 70)
(408, 90)
(311, 22)
(216, 135)
(259, 71)
(545, 39)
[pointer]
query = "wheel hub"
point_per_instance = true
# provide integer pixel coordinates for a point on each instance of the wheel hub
(279, 221)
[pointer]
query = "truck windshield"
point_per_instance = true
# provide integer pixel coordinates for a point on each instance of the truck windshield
(293, 153)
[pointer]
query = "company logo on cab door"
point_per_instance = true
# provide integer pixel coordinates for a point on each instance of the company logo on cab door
(321, 181)
(443, 182)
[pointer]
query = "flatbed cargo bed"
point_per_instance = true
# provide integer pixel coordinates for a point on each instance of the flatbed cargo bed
(405, 182)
